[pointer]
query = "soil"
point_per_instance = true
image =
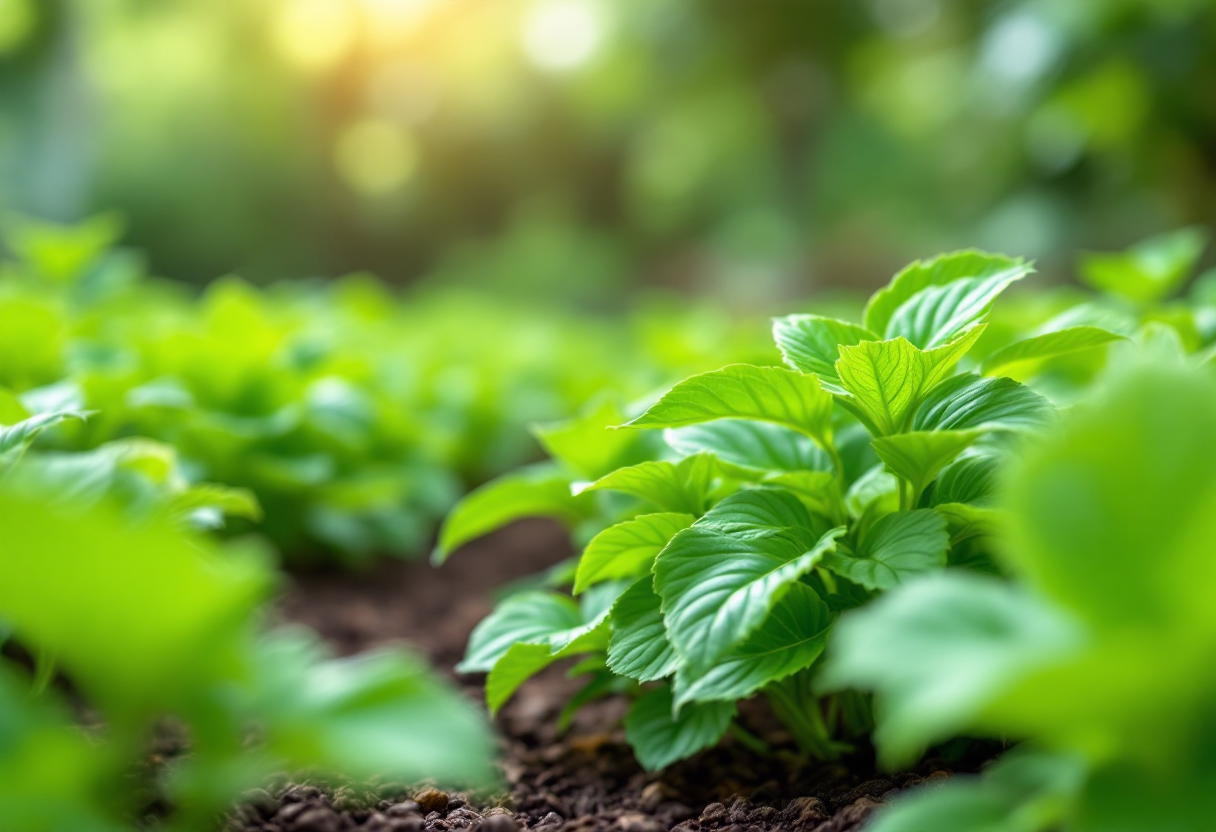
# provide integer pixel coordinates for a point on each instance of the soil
(583, 780)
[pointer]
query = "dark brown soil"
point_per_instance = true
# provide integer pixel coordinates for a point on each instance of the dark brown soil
(584, 779)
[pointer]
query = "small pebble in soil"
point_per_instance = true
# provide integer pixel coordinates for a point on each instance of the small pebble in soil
(432, 800)
(638, 822)
(316, 819)
(498, 823)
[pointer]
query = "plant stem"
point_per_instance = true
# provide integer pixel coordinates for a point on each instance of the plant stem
(44, 670)
(750, 740)
(837, 464)
(795, 705)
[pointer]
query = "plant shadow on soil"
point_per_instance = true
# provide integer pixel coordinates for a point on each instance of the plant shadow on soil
(583, 779)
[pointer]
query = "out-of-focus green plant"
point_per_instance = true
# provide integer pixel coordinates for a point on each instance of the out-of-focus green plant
(1099, 653)
(1055, 340)
(154, 628)
(355, 416)
(719, 557)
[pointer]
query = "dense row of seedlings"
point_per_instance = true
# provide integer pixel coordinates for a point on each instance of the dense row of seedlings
(356, 415)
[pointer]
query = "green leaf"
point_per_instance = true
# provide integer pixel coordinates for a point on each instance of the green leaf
(521, 662)
(56, 776)
(898, 547)
(12, 410)
(969, 479)
(819, 491)
(748, 449)
(14, 439)
(811, 343)
(375, 714)
(529, 631)
(876, 485)
(885, 380)
(940, 361)
(718, 588)
(681, 487)
(789, 640)
(939, 271)
(1122, 796)
(1149, 270)
(970, 401)
(627, 549)
(770, 394)
(639, 647)
(919, 457)
(938, 650)
(527, 617)
(1024, 791)
(1112, 515)
(966, 521)
(937, 314)
(659, 739)
(233, 502)
(586, 444)
(138, 617)
(1048, 345)
(538, 492)
(759, 512)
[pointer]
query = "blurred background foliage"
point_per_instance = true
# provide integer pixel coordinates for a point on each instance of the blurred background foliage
(575, 149)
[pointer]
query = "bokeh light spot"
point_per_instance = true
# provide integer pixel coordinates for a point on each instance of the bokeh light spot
(315, 34)
(375, 157)
(16, 22)
(562, 34)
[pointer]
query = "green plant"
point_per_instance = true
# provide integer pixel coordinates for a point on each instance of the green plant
(1098, 653)
(356, 416)
(153, 628)
(717, 560)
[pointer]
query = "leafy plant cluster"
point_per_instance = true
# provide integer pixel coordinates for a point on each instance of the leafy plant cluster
(125, 628)
(1097, 654)
(727, 525)
(355, 417)
(774, 498)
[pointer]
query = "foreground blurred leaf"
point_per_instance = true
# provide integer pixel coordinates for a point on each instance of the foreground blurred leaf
(379, 714)
(138, 617)
(1024, 791)
(939, 650)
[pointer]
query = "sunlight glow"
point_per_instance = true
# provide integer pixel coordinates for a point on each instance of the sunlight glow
(315, 34)
(562, 34)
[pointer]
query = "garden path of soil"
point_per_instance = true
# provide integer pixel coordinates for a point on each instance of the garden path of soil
(585, 780)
